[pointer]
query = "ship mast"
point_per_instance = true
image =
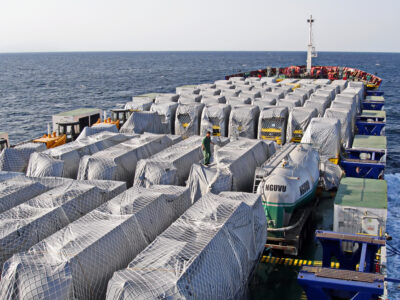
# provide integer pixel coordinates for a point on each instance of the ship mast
(311, 49)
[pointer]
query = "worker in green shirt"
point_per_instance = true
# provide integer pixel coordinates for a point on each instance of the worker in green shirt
(205, 146)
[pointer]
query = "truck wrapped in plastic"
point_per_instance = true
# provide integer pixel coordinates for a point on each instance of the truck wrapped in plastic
(304, 90)
(318, 104)
(207, 86)
(243, 121)
(215, 118)
(288, 102)
(233, 168)
(229, 93)
(210, 92)
(44, 165)
(187, 89)
(189, 99)
(252, 94)
(30, 222)
(97, 128)
(324, 133)
(103, 241)
(143, 121)
(344, 116)
(170, 166)
(204, 254)
(207, 100)
(167, 97)
(188, 118)
(342, 84)
(293, 96)
(71, 154)
(119, 162)
(272, 124)
(263, 103)
(166, 111)
(16, 159)
(139, 104)
(298, 121)
(235, 101)
(350, 98)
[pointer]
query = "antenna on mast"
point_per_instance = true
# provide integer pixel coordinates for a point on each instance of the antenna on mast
(311, 49)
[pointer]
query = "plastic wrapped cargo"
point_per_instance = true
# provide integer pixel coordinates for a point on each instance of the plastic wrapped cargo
(324, 133)
(98, 244)
(210, 92)
(289, 102)
(275, 95)
(253, 94)
(213, 100)
(160, 98)
(360, 206)
(237, 79)
(206, 86)
(17, 159)
(304, 90)
(324, 92)
(187, 120)
(143, 121)
(238, 100)
(350, 98)
(215, 118)
(272, 124)
(187, 89)
(321, 97)
(355, 90)
(30, 222)
(244, 87)
(170, 166)
(167, 112)
(229, 93)
(243, 121)
(233, 168)
(119, 162)
(44, 165)
(330, 175)
(187, 99)
(97, 128)
(71, 154)
(342, 84)
(302, 97)
(139, 104)
(298, 121)
(345, 118)
(263, 103)
(322, 81)
(202, 255)
(319, 105)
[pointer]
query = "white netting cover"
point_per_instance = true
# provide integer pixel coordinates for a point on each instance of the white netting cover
(275, 94)
(236, 101)
(166, 111)
(288, 102)
(166, 98)
(43, 165)
(17, 159)
(273, 117)
(210, 92)
(213, 99)
(330, 175)
(268, 97)
(206, 86)
(263, 103)
(355, 90)
(77, 261)
(229, 92)
(143, 121)
(244, 87)
(299, 119)
(283, 89)
(187, 90)
(209, 252)
(119, 162)
(233, 169)
(170, 166)
(293, 97)
(250, 94)
(215, 118)
(350, 98)
(30, 222)
(318, 104)
(324, 133)
(342, 84)
(139, 104)
(71, 153)
(304, 90)
(97, 128)
(345, 118)
(187, 120)
(243, 121)
(189, 98)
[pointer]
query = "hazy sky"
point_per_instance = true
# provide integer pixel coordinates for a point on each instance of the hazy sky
(131, 25)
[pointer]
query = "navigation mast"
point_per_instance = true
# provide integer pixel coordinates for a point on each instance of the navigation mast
(311, 49)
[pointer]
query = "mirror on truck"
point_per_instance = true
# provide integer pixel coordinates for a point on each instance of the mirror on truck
(3, 144)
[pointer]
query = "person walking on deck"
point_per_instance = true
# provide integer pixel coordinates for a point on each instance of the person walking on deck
(205, 146)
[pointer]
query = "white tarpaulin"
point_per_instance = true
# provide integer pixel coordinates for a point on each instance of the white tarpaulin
(97, 128)
(170, 166)
(119, 162)
(213, 100)
(187, 121)
(143, 121)
(210, 252)
(139, 104)
(166, 111)
(324, 133)
(318, 104)
(243, 121)
(263, 102)
(71, 154)
(215, 118)
(298, 121)
(160, 98)
(30, 222)
(233, 168)
(77, 261)
(189, 98)
(17, 159)
(289, 102)
(344, 117)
